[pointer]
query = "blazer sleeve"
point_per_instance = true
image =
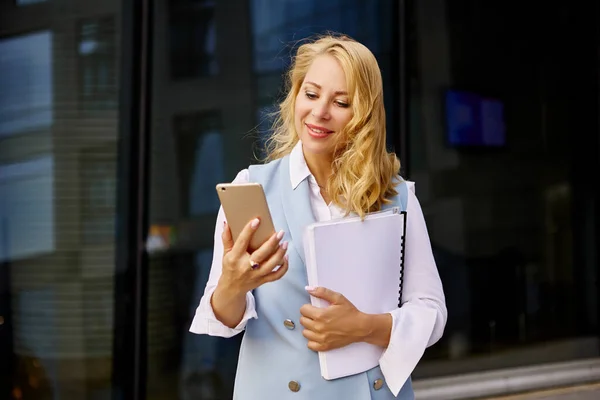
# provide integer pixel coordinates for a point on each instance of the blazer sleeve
(421, 320)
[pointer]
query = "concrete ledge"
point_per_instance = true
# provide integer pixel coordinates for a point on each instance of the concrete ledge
(508, 381)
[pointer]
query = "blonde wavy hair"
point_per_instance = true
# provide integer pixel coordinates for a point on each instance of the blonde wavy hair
(364, 174)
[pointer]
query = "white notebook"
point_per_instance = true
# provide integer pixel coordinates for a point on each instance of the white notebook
(363, 260)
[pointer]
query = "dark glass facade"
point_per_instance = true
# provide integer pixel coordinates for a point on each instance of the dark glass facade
(508, 205)
(117, 120)
(59, 108)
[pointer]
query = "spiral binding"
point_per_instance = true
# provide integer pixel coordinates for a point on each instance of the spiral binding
(401, 278)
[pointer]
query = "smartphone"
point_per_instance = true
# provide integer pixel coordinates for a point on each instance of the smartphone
(242, 202)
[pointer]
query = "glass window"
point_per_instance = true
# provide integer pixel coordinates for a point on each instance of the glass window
(27, 208)
(57, 201)
(200, 160)
(265, 120)
(192, 38)
(494, 146)
(204, 133)
(26, 98)
(99, 180)
(97, 64)
(28, 2)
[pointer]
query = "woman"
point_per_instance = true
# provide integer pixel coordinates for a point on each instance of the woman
(327, 160)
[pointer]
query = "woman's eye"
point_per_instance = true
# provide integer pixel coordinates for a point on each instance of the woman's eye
(311, 95)
(342, 104)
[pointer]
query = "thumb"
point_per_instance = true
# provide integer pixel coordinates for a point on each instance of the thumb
(325, 294)
(227, 238)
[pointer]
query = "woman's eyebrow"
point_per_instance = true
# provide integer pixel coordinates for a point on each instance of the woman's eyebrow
(339, 92)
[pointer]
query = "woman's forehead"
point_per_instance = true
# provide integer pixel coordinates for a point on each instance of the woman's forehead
(326, 73)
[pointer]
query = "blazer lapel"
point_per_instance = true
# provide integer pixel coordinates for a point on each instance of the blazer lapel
(296, 207)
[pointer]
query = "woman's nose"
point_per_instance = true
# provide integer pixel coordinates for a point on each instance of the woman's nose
(321, 110)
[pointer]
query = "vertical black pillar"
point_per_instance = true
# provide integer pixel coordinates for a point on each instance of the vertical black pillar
(131, 275)
(401, 142)
(6, 336)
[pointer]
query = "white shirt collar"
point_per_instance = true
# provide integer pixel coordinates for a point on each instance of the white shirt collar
(298, 168)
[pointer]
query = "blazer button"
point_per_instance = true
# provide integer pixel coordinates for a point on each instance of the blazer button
(378, 384)
(294, 386)
(288, 323)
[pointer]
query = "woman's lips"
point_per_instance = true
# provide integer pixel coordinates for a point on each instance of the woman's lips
(318, 131)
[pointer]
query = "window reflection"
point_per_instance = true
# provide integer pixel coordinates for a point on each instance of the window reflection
(497, 176)
(27, 208)
(200, 159)
(202, 355)
(57, 198)
(26, 81)
(192, 38)
(99, 180)
(28, 2)
(263, 129)
(97, 58)
(36, 369)
(279, 25)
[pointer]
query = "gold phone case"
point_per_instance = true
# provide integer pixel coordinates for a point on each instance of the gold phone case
(242, 202)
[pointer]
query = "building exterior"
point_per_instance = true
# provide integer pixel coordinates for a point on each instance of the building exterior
(118, 118)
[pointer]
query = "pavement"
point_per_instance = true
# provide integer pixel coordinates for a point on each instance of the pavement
(581, 392)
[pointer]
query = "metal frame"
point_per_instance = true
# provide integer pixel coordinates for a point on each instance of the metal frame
(6, 335)
(402, 141)
(131, 275)
(596, 224)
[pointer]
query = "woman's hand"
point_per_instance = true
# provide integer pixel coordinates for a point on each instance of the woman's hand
(342, 323)
(237, 274)
(335, 326)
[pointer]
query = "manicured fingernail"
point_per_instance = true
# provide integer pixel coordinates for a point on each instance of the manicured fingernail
(255, 223)
(280, 235)
(284, 245)
(287, 257)
(309, 288)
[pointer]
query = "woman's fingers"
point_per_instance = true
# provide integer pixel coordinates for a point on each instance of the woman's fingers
(243, 241)
(274, 260)
(277, 274)
(269, 256)
(267, 249)
(226, 238)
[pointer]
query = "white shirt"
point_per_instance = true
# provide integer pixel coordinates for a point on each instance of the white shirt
(418, 324)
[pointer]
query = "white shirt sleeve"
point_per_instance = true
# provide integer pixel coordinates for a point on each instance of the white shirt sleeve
(421, 320)
(204, 321)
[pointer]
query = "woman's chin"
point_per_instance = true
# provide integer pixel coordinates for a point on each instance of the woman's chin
(317, 148)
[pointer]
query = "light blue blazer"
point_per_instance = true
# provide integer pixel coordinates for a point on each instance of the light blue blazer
(273, 356)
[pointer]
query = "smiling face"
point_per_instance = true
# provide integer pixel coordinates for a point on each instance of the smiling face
(322, 108)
